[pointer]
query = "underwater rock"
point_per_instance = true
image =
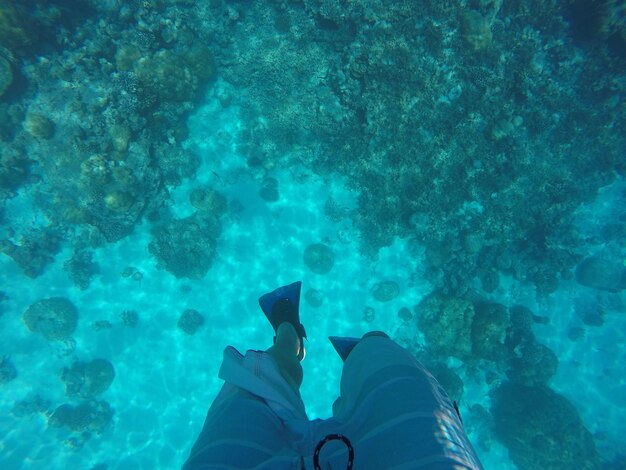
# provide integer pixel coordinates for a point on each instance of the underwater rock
(7, 370)
(385, 291)
(190, 321)
(186, 247)
(319, 258)
(601, 274)
(89, 416)
(88, 379)
(6, 75)
(542, 429)
(54, 318)
(39, 126)
(447, 325)
(314, 298)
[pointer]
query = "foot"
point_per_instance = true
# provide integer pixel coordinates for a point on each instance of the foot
(287, 339)
(286, 352)
(282, 305)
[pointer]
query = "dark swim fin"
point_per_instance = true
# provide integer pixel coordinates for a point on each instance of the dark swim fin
(283, 305)
(343, 345)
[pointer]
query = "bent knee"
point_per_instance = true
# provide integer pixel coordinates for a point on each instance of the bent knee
(375, 333)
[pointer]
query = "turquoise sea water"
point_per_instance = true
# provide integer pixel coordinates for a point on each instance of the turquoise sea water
(464, 163)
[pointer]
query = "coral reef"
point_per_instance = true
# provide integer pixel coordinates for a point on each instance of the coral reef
(190, 321)
(442, 145)
(87, 379)
(115, 193)
(532, 364)
(486, 331)
(81, 268)
(35, 249)
(319, 258)
(176, 164)
(174, 75)
(29, 407)
(6, 74)
(385, 291)
(369, 314)
(529, 362)
(39, 126)
(130, 318)
(92, 416)
(14, 172)
(541, 429)
(394, 99)
(54, 318)
(186, 247)
(447, 325)
(14, 27)
(476, 30)
(489, 331)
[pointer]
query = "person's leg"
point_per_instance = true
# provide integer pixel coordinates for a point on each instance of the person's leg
(258, 418)
(375, 333)
(395, 413)
(285, 352)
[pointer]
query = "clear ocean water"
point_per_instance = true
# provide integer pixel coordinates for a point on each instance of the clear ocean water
(165, 163)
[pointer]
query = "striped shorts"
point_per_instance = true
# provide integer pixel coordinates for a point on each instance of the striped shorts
(391, 410)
